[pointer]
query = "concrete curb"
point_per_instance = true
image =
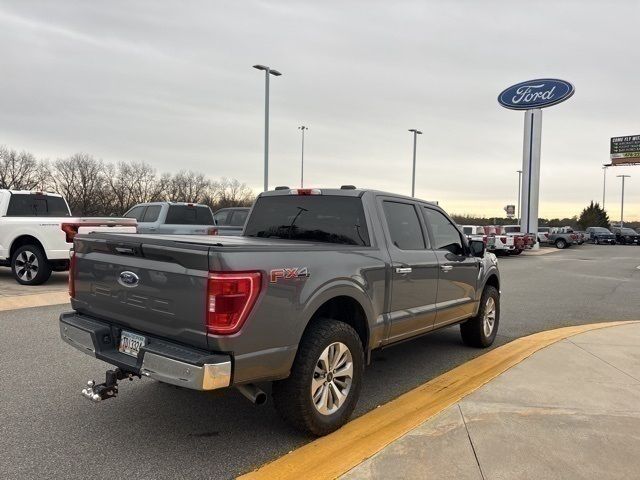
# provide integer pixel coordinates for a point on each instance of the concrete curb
(370, 433)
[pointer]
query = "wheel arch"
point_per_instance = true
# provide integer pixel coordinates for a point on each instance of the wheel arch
(346, 303)
(23, 240)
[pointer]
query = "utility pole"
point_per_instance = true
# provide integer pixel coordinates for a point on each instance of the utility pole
(413, 177)
(303, 128)
(622, 205)
(268, 71)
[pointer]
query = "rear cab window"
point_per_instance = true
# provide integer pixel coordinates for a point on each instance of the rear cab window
(36, 205)
(314, 218)
(189, 215)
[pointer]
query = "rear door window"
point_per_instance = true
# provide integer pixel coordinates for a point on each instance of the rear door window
(36, 205)
(152, 213)
(404, 225)
(222, 217)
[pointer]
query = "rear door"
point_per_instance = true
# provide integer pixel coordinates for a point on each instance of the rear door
(458, 270)
(414, 270)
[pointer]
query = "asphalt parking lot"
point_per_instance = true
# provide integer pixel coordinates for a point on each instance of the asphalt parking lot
(157, 431)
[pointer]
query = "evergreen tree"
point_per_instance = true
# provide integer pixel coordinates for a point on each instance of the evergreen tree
(593, 216)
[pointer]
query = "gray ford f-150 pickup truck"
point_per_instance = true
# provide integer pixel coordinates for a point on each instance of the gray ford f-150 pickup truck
(318, 280)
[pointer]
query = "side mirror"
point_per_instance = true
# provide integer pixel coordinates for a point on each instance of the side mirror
(477, 248)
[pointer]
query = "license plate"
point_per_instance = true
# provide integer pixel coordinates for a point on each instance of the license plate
(130, 343)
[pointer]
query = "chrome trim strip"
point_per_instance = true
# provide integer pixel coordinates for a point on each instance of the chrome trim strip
(210, 376)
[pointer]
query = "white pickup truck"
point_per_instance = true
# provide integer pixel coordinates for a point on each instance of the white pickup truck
(37, 230)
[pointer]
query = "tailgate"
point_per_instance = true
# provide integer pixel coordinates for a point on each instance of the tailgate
(154, 287)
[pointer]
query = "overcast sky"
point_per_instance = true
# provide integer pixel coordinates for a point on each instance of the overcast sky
(171, 83)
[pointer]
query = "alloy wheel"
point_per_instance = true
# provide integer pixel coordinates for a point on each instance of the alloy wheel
(27, 265)
(332, 378)
(489, 319)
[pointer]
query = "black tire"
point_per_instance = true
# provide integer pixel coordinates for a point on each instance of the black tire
(561, 243)
(30, 266)
(473, 330)
(596, 241)
(517, 252)
(292, 397)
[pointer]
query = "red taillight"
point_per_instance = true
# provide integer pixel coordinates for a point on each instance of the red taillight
(72, 273)
(484, 239)
(230, 298)
(71, 230)
(212, 231)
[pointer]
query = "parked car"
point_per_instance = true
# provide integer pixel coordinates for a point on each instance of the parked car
(499, 242)
(37, 230)
(175, 218)
(626, 236)
(543, 235)
(563, 237)
(600, 235)
(231, 220)
(522, 241)
(474, 232)
(318, 280)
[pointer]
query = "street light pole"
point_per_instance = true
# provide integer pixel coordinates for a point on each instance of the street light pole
(604, 184)
(413, 177)
(303, 128)
(622, 205)
(267, 72)
(519, 184)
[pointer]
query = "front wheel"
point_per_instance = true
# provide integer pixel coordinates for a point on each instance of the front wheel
(323, 388)
(30, 266)
(560, 243)
(596, 241)
(481, 330)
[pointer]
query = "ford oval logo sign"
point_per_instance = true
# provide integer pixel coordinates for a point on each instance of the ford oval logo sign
(128, 279)
(540, 93)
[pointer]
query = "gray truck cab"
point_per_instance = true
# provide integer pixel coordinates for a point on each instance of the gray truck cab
(174, 218)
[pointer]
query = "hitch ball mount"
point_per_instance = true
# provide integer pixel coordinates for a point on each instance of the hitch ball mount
(108, 389)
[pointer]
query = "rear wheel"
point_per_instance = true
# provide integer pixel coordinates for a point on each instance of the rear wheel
(481, 330)
(30, 266)
(323, 388)
(561, 243)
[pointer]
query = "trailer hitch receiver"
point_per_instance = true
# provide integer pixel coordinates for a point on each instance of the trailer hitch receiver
(108, 389)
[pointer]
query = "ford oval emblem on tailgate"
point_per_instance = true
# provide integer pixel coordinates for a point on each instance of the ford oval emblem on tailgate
(128, 279)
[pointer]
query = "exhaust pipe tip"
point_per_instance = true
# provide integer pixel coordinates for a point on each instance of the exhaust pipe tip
(256, 395)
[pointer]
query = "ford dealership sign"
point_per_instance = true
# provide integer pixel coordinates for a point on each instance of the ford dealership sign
(540, 93)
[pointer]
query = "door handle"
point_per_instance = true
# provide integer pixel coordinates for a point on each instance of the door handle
(446, 268)
(403, 270)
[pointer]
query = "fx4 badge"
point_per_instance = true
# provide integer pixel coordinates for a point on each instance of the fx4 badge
(288, 273)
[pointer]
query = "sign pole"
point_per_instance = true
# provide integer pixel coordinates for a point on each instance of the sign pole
(531, 172)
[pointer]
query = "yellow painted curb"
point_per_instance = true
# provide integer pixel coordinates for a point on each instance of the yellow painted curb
(38, 300)
(331, 456)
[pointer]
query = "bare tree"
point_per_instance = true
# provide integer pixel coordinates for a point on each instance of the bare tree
(231, 193)
(131, 183)
(186, 186)
(21, 171)
(82, 180)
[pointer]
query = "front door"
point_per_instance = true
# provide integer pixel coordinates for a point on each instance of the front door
(458, 269)
(414, 271)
